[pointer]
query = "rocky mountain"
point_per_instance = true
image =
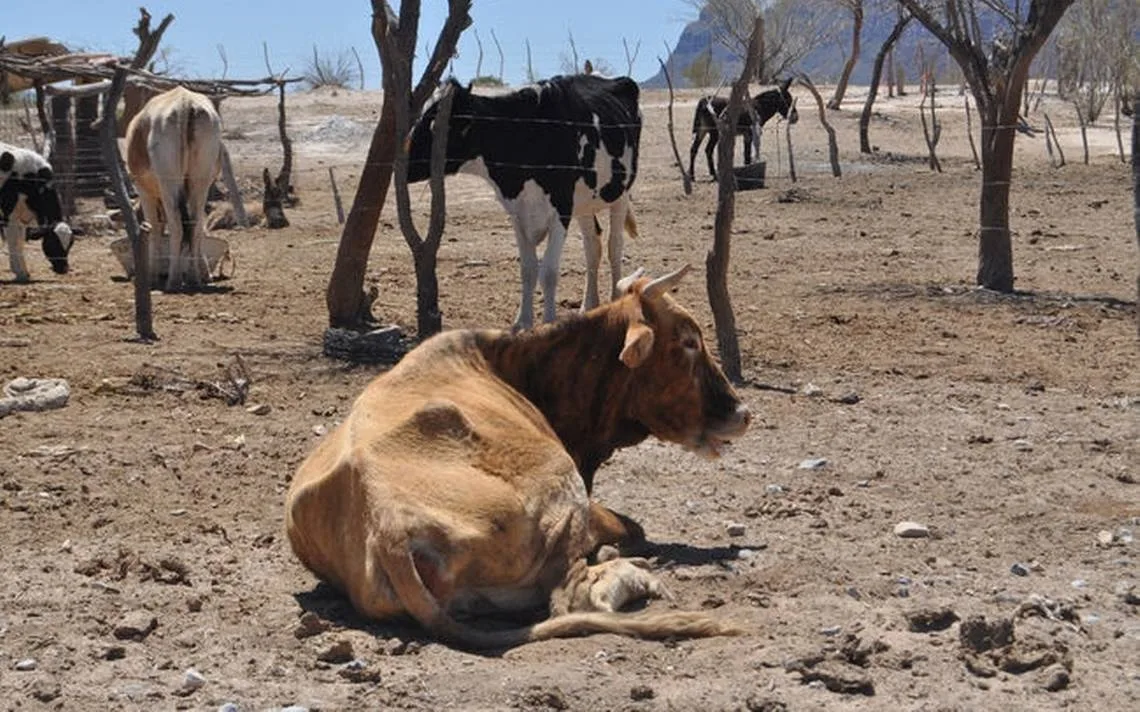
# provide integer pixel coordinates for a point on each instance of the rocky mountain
(822, 65)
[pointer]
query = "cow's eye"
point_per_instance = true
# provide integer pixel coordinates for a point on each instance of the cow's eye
(691, 343)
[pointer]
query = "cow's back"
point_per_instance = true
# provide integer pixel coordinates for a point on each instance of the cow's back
(434, 451)
(176, 135)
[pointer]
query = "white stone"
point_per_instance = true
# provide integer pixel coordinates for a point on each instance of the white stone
(911, 530)
(813, 463)
(192, 680)
(25, 665)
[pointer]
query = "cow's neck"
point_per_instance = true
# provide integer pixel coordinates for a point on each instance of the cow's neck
(571, 371)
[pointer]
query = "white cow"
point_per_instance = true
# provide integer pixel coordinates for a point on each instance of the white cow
(174, 153)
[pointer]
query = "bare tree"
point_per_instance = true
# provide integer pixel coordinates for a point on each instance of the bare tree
(349, 305)
(686, 181)
(148, 43)
(996, 72)
(932, 130)
(832, 143)
(531, 77)
(479, 61)
(717, 260)
(855, 7)
(631, 57)
(900, 25)
(792, 29)
(499, 47)
(1096, 52)
(1136, 190)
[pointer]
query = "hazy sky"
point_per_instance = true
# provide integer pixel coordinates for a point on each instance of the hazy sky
(292, 27)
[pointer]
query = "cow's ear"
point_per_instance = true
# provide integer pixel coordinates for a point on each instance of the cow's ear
(7, 160)
(785, 84)
(638, 344)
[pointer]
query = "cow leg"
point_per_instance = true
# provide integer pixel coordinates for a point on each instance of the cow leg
(14, 235)
(697, 136)
(528, 268)
(709, 148)
(606, 587)
(551, 258)
(592, 243)
(171, 203)
(197, 271)
(152, 213)
(618, 211)
(748, 146)
(609, 527)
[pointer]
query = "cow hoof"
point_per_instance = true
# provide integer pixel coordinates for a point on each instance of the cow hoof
(617, 583)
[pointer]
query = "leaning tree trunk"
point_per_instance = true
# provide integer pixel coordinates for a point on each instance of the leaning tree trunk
(849, 66)
(1136, 191)
(995, 249)
(717, 260)
(876, 75)
(349, 306)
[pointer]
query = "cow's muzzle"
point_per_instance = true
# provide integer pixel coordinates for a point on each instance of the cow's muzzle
(717, 435)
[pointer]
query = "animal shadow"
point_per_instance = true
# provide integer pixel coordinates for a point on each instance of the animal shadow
(668, 555)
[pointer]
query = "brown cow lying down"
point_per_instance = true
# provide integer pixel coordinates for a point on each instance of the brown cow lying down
(448, 491)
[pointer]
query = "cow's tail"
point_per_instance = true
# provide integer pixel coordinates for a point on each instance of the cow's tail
(630, 221)
(418, 601)
(184, 212)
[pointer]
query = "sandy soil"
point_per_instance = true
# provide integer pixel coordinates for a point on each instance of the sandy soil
(141, 525)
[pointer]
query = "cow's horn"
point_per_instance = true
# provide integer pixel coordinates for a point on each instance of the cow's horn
(625, 283)
(666, 283)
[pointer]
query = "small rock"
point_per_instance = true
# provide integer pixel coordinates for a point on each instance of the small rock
(850, 398)
(831, 630)
(192, 681)
(25, 665)
(1124, 535)
(1022, 445)
(813, 463)
(911, 530)
(811, 390)
(135, 626)
(259, 409)
(229, 707)
(1105, 537)
(641, 692)
(358, 671)
(337, 653)
(745, 553)
(294, 708)
(774, 489)
(113, 652)
(1019, 569)
(734, 529)
(309, 625)
(194, 604)
(1079, 583)
(1056, 678)
(758, 704)
(45, 690)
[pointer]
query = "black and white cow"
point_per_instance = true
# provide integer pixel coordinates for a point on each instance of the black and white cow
(564, 148)
(767, 104)
(27, 198)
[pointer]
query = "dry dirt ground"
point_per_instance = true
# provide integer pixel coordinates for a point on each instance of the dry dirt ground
(1009, 426)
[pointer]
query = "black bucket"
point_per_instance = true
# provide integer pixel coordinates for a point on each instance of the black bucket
(749, 177)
